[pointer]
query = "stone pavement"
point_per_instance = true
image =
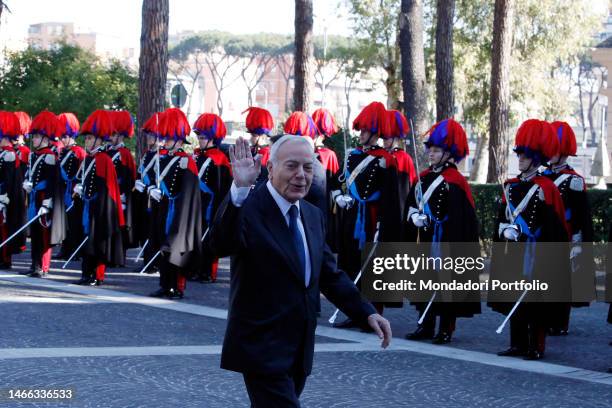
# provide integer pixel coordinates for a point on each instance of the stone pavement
(115, 347)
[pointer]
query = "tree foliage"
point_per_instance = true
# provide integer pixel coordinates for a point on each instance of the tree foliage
(66, 79)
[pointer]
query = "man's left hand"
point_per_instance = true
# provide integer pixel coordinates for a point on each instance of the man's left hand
(381, 327)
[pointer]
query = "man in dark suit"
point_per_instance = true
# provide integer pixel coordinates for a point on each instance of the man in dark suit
(280, 264)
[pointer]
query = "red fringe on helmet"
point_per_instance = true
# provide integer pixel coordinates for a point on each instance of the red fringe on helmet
(259, 121)
(371, 118)
(152, 124)
(123, 123)
(174, 125)
(536, 138)
(325, 121)
(567, 138)
(396, 125)
(211, 126)
(24, 122)
(300, 124)
(9, 125)
(46, 124)
(69, 124)
(449, 135)
(99, 124)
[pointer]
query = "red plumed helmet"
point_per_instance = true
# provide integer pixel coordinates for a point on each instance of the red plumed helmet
(211, 126)
(174, 125)
(152, 124)
(300, 124)
(69, 124)
(123, 123)
(259, 121)
(536, 139)
(99, 124)
(449, 135)
(325, 121)
(396, 125)
(567, 138)
(24, 122)
(9, 125)
(47, 124)
(371, 118)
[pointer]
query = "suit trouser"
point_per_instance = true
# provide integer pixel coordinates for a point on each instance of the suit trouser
(275, 391)
(41, 247)
(170, 276)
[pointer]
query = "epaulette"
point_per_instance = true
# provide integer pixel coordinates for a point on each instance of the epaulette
(50, 159)
(576, 183)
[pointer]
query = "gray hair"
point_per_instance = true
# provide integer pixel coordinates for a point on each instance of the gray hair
(290, 138)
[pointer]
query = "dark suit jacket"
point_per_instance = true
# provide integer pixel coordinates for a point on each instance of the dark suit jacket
(272, 315)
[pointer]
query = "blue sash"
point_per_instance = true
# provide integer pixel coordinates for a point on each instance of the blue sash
(204, 188)
(530, 247)
(85, 217)
(437, 231)
(32, 205)
(360, 225)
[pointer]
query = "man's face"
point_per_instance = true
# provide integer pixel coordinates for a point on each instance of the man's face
(204, 142)
(525, 162)
(114, 139)
(555, 159)
(39, 141)
(388, 143)
(254, 139)
(90, 141)
(67, 140)
(172, 144)
(151, 140)
(292, 173)
(367, 139)
(435, 155)
(5, 141)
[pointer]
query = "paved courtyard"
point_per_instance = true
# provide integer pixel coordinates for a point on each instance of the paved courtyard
(115, 347)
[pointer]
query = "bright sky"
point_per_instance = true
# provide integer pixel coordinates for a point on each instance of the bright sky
(121, 18)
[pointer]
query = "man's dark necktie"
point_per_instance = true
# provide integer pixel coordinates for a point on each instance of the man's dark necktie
(297, 238)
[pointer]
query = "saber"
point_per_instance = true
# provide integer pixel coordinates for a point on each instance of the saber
(142, 250)
(151, 261)
(20, 229)
(422, 318)
(518, 302)
(332, 319)
(76, 251)
(418, 191)
(205, 234)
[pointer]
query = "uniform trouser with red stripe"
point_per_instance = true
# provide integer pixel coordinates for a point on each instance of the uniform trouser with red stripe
(526, 331)
(5, 254)
(209, 267)
(92, 267)
(171, 276)
(41, 247)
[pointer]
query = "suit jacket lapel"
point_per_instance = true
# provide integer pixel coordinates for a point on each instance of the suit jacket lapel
(275, 223)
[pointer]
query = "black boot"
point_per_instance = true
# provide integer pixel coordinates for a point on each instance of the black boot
(421, 333)
(442, 338)
(513, 352)
(161, 292)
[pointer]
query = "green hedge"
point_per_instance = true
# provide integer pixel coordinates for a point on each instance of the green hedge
(486, 198)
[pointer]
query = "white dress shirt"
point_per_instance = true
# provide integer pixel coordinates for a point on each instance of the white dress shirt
(239, 195)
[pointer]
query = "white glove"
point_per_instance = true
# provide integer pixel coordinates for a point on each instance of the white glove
(4, 199)
(3, 211)
(575, 251)
(28, 186)
(342, 200)
(510, 232)
(156, 194)
(419, 220)
(140, 186)
(78, 189)
(43, 211)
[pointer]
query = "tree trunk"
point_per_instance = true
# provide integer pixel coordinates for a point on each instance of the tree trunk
(413, 67)
(153, 62)
(500, 91)
(445, 98)
(304, 55)
(478, 172)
